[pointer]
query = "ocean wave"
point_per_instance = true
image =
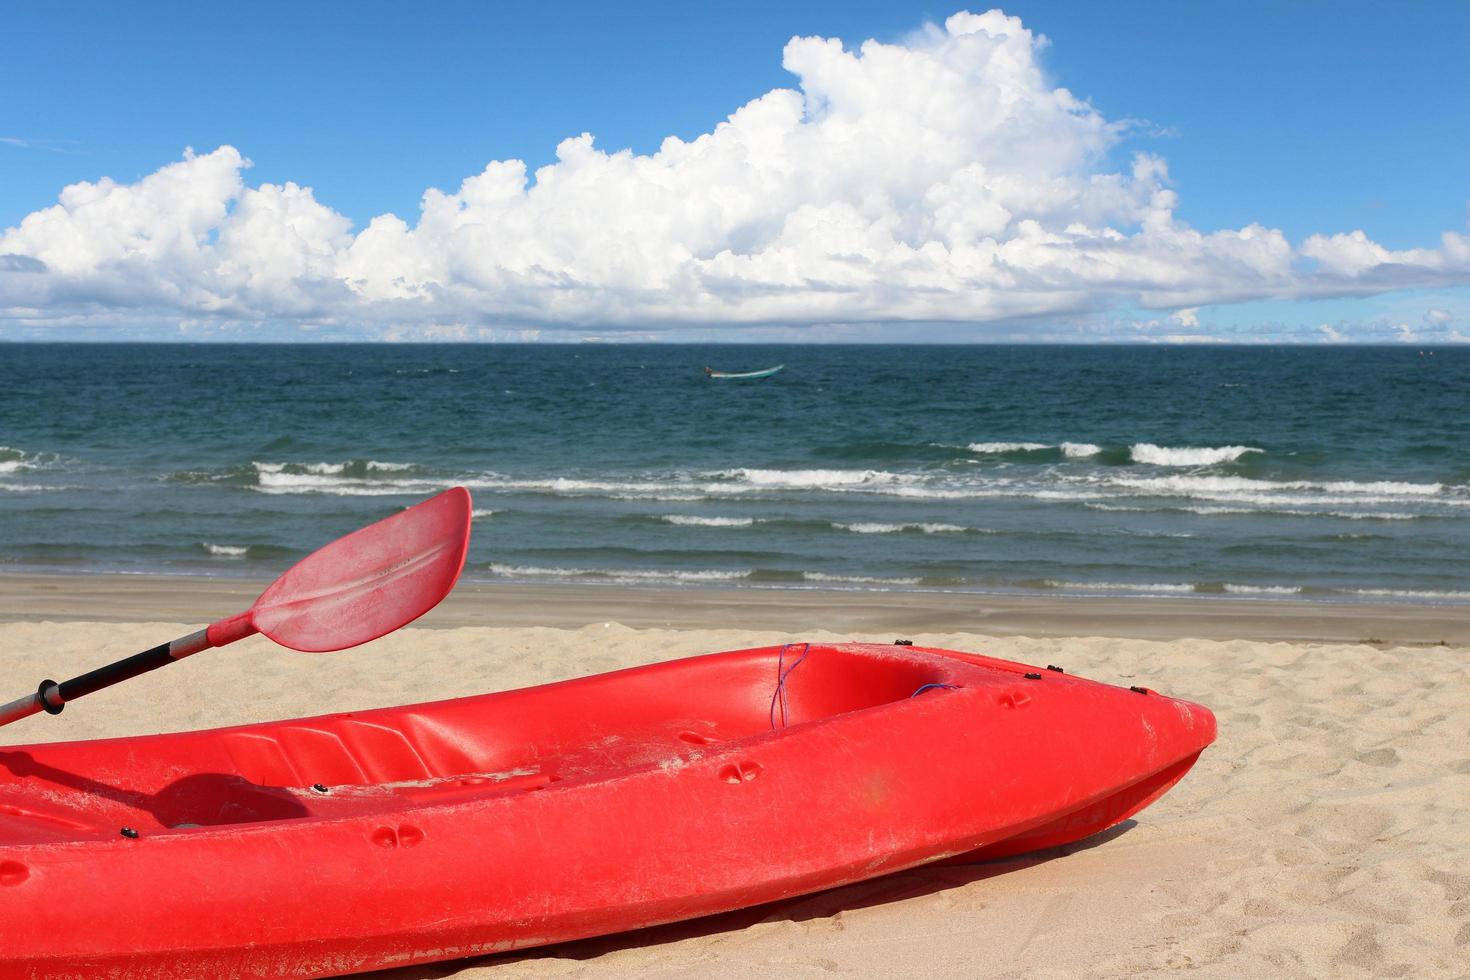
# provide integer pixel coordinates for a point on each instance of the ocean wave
(811, 479)
(358, 468)
(1215, 485)
(569, 485)
(676, 498)
(1170, 588)
(939, 493)
(352, 478)
(862, 527)
(480, 512)
(1208, 510)
(691, 520)
(1147, 452)
(1071, 450)
(1008, 447)
(1411, 594)
(1234, 589)
(1078, 450)
(619, 574)
(33, 487)
(14, 460)
(341, 489)
(858, 579)
(1385, 487)
(255, 551)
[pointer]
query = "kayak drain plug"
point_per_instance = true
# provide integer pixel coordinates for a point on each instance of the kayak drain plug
(1055, 668)
(1032, 677)
(129, 833)
(320, 788)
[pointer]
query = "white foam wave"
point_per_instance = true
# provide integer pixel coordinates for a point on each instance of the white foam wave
(1078, 450)
(1262, 589)
(1147, 452)
(811, 479)
(690, 520)
(1007, 447)
(1072, 450)
(1157, 587)
(877, 528)
(869, 528)
(1207, 510)
(349, 479)
(937, 493)
(569, 485)
(480, 512)
(1385, 487)
(32, 487)
(990, 490)
(333, 469)
(14, 460)
(290, 484)
(531, 571)
(620, 575)
(1213, 486)
(1071, 495)
(1411, 594)
(857, 579)
(224, 550)
(664, 497)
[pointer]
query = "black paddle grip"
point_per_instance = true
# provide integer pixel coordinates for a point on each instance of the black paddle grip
(113, 673)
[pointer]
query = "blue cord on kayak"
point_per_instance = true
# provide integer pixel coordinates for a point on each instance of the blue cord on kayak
(783, 672)
(921, 690)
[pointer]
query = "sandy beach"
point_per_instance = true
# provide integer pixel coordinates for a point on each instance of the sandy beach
(1324, 834)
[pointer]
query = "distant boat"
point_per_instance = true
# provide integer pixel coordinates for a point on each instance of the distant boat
(736, 375)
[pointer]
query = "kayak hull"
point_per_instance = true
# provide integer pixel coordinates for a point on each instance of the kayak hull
(586, 807)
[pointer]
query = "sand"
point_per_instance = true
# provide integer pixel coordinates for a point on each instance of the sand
(1326, 833)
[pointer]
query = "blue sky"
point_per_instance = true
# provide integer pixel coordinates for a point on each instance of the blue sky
(1307, 118)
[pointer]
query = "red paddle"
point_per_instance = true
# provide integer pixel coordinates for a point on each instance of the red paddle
(353, 590)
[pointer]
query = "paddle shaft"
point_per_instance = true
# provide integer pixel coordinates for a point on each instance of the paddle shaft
(51, 697)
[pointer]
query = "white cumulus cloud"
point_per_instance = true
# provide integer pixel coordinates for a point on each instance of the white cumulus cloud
(945, 178)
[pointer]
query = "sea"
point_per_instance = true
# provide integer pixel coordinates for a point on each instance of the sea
(1327, 473)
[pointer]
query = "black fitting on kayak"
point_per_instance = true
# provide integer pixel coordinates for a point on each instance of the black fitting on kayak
(49, 685)
(1139, 690)
(1055, 668)
(320, 788)
(903, 643)
(129, 833)
(1032, 677)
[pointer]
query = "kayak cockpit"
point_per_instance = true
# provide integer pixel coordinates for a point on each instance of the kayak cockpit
(444, 752)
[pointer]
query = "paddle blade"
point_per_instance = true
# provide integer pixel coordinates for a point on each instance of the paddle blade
(372, 581)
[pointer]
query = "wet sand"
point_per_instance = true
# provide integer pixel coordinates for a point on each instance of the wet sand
(122, 598)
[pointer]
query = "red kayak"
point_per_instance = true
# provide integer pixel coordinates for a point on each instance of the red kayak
(371, 839)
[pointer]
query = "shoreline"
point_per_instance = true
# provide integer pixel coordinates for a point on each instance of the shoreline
(104, 597)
